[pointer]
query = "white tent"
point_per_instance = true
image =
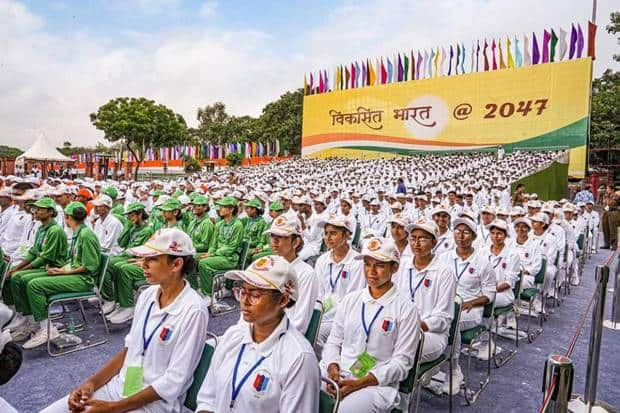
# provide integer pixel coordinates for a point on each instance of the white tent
(43, 150)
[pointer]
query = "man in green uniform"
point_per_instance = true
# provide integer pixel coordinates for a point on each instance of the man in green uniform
(223, 253)
(254, 226)
(77, 275)
(263, 249)
(201, 230)
(49, 250)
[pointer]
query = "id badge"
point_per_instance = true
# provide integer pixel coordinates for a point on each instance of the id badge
(134, 379)
(364, 363)
(328, 305)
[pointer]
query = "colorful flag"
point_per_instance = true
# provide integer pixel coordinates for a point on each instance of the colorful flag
(357, 75)
(431, 59)
(493, 47)
(427, 65)
(352, 76)
(326, 80)
(563, 44)
(502, 65)
(311, 84)
(418, 65)
(364, 74)
(580, 42)
(383, 73)
(463, 58)
(450, 61)
(510, 60)
(573, 42)
(535, 50)
(484, 54)
(390, 70)
(477, 55)
(527, 58)
(591, 39)
(372, 76)
(305, 85)
(412, 66)
(442, 63)
(554, 42)
(406, 67)
(321, 84)
(518, 55)
(471, 62)
(436, 63)
(347, 77)
(399, 70)
(458, 59)
(545, 46)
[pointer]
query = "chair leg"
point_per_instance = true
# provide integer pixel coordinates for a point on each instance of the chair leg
(470, 395)
(105, 320)
(498, 359)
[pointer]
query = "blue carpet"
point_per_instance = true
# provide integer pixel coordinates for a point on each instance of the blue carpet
(516, 387)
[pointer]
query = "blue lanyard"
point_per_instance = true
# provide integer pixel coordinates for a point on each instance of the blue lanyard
(439, 241)
(146, 342)
(411, 289)
(331, 282)
(456, 270)
(237, 388)
(497, 262)
(367, 328)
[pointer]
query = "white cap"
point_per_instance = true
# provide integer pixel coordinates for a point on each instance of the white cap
(396, 205)
(382, 249)
(440, 208)
(103, 200)
(522, 220)
(540, 217)
(285, 226)
(339, 221)
(270, 273)
(499, 224)
(166, 241)
(425, 225)
(465, 221)
(488, 209)
(400, 219)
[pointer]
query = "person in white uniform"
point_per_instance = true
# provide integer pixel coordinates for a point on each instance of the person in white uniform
(285, 240)
(476, 285)
(263, 364)
(398, 231)
(107, 227)
(547, 244)
(530, 257)
(374, 338)
(445, 238)
(152, 373)
(430, 285)
(338, 271)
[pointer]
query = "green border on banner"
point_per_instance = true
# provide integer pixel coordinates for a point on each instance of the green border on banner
(549, 183)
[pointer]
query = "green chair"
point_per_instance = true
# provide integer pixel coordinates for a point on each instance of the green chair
(426, 369)
(408, 385)
(328, 403)
(356, 237)
(556, 284)
(5, 271)
(199, 375)
(220, 283)
(468, 338)
(323, 247)
(580, 256)
(315, 323)
(80, 297)
(529, 295)
(499, 359)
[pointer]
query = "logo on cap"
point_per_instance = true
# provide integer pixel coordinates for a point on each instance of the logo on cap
(279, 221)
(374, 245)
(174, 246)
(263, 264)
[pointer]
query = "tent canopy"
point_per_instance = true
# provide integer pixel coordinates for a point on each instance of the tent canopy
(43, 150)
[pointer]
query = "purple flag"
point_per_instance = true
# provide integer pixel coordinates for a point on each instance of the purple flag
(417, 69)
(545, 52)
(573, 41)
(535, 51)
(400, 70)
(477, 54)
(579, 41)
(450, 61)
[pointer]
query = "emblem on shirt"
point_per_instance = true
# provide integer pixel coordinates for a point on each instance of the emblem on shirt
(471, 270)
(527, 254)
(165, 335)
(261, 383)
(503, 265)
(387, 325)
(427, 282)
(344, 275)
(374, 245)
(445, 245)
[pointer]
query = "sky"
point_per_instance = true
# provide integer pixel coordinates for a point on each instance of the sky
(60, 60)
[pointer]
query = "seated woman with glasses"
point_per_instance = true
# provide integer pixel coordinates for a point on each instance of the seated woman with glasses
(264, 364)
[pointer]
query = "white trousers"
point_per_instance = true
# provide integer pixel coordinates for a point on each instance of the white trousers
(373, 399)
(504, 298)
(434, 346)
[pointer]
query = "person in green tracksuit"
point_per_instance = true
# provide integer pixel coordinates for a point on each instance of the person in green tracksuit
(130, 271)
(49, 250)
(223, 253)
(201, 230)
(263, 249)
(118, 290)
(254, 226)
(77, 275)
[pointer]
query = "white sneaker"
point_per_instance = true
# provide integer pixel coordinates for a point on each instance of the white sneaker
(113, 313)
(108, 306)
(122, 316)
(41, 338)
(511, 322)
(457, 381)
(483, 352)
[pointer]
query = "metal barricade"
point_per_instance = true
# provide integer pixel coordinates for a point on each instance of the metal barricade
(614, 322)
(557, 383)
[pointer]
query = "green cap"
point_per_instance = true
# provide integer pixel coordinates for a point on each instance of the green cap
(254, 203)
(111, 192)
(178, 193)
(45, 203)
(199, 200)
(171, 205)
(157, 192)
(72, 206)
(276, 206)
(193, 195)
(227, 201)
(134, 207)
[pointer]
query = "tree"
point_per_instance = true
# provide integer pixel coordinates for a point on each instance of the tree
(191, 164)
(605, 130)
(282, 120)
(233, 159)
(140, 123)
(614, 28)
(212, 122)
(9, 152)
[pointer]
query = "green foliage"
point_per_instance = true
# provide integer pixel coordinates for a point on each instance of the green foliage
(140, 123)
(614, 28)
(192, 165)
(234, 159)
(605, 129)
(282, 120)
(9, 152)
(69, 150)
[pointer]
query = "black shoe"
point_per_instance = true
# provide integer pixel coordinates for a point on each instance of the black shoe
(606, 247)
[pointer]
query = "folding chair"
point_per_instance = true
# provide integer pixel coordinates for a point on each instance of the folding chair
(328, 403)
(529, 295)
(408, 385)
(425, 369)
(315, 322)
(80, 297)
(556, 286)
(199, 375)
(356, 237)
(4, 273)
(567, 272)
(580, 255)
(468, 338)
(218, 307)
(503, 358)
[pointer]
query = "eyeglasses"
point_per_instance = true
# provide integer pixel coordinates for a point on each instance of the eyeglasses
(253, 296)
(414, 240)
(465, 232)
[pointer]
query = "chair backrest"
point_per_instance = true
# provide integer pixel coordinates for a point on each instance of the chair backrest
(357, 235)
(454, 325)
(243, 255)
(540, 277)
(580, 240)
(315, 322)
(406, 386)
(199, 375)
(557, 259)
(7, 267)
(103, 267)
(327, 404)
(323, 247)
(517, 288)
(488, 309)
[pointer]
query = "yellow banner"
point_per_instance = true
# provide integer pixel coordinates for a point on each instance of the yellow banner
(542, 106)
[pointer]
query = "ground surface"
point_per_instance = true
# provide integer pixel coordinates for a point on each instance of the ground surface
(516, 387)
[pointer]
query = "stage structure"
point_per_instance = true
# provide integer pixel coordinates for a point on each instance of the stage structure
(535, 99)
